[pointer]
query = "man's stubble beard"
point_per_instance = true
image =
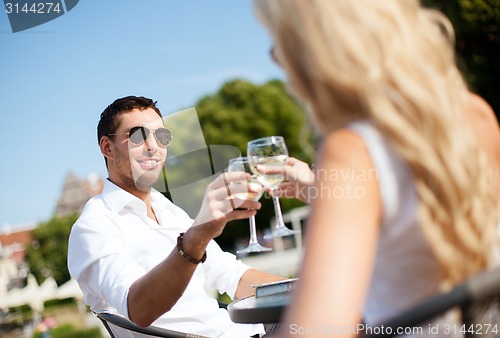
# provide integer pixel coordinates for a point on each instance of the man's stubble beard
(147, 180)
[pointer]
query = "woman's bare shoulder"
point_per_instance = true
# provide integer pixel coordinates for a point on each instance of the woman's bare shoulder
(479, 108)
(481, 118)
(345, 153)
(344, 145)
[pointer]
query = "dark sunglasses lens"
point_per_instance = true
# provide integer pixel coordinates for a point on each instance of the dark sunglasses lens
(164, 136)
(137, 135)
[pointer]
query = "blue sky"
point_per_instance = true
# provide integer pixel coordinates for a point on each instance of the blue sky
(55, 80)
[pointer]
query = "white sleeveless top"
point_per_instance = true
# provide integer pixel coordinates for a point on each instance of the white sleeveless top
(406, 271)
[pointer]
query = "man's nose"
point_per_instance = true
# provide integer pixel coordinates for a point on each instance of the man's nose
(151, 143)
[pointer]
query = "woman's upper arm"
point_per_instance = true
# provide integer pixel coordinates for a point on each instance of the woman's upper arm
(341, 237)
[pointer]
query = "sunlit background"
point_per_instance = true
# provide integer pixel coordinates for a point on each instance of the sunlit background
(58, 77)
(207, 58)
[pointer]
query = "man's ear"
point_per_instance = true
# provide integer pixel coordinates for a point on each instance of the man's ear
(105, 146)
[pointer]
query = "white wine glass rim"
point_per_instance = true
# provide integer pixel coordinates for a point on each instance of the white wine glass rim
(242, 159)
(267, 140)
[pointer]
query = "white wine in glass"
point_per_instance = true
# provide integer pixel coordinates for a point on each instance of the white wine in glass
(241, 164)
(270, 152)
(271, 181)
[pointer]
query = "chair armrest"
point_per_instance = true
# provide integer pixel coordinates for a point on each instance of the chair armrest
(154, 331)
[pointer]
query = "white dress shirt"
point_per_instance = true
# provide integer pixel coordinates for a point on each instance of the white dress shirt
(114, 243)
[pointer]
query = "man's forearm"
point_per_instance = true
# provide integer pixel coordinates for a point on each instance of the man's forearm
(252, 277)
(157, 291)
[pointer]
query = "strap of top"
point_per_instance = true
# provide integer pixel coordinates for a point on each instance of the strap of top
(386, 164)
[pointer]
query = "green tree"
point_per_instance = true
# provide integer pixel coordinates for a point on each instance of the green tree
(477, 27)
(241, 111)
(47, 255)
(237, 113)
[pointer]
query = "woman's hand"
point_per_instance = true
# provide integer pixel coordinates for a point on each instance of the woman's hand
(299, 179)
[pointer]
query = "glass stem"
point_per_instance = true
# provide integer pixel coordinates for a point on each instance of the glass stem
(253, 231)
(277, 211)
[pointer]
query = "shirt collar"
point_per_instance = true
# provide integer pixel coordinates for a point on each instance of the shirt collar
(117, 198)
(158, 200)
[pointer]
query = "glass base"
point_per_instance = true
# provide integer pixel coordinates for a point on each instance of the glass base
(281, 232)
(255, 247)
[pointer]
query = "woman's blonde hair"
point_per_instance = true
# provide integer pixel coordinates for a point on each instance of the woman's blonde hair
(393, 62)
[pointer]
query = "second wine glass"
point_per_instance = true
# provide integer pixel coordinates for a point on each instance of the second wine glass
(270, 152)
(241, 164)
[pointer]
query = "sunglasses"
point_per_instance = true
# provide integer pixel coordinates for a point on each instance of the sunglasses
(137, 135)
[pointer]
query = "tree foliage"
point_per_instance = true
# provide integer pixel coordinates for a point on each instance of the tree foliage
(237, 113)
(47, 256)
(477, 27)
(241, 111)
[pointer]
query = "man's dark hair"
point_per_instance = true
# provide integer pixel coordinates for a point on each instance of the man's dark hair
(109, 123)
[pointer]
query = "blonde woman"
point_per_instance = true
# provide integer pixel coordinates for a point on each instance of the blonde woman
(405, 198)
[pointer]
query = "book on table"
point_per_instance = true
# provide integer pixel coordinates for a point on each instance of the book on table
(274, 288)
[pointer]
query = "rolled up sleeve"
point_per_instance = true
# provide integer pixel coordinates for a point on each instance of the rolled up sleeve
(223, 270)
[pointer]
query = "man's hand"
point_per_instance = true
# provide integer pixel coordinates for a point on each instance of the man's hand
(223, 202)
(157, 291)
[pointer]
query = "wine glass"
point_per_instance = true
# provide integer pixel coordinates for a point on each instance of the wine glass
(270, 152)
(241, 164)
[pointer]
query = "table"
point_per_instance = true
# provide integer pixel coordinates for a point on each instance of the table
(266, 309)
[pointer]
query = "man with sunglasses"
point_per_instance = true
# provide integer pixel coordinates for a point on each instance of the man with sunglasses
(134, 252)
